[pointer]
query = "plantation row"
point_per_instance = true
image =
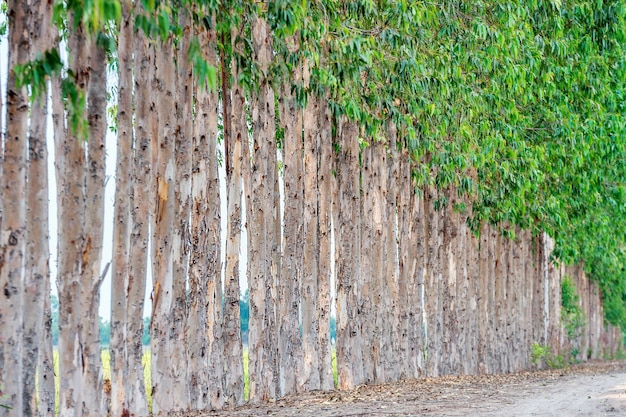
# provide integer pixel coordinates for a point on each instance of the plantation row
(419, 168)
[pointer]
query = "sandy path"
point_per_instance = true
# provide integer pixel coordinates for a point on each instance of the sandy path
(597, 389)
(602, 394)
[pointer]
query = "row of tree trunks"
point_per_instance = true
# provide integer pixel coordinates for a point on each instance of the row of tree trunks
(417, 293)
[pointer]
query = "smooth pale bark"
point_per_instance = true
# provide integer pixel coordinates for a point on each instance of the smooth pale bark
(235, 133)
(325, 181)
(37, 274)
(289, 343)
(141, 216)
(378, 256)
(310, 372)
(122, 226)
(349, 351)
(204, 325)
(367, 316)
(94, 215)
(165, 373)
(13, 233)
(181, 232)
(72, 244)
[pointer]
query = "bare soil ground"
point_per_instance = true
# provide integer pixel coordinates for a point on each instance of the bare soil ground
(592, 389)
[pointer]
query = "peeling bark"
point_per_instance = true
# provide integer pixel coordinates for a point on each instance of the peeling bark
(164, 372)
(349, 351)
(235, 133)
(325, 181)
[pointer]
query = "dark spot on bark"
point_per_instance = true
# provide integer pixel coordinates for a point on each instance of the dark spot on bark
(13, 239)
(7, 293)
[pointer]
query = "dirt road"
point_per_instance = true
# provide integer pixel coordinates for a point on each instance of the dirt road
(596, 389)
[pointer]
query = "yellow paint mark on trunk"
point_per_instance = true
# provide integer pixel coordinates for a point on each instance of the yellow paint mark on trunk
(162, 189)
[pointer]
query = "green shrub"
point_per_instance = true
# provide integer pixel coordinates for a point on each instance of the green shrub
(572, 316)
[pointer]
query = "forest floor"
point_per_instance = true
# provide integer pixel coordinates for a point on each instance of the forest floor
(591, 389)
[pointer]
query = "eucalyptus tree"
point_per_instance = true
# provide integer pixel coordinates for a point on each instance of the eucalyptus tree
(37, 273)
(262, 213)
(206, 346)
(235, 136)
(142, 193)
(13, 243)
(120, 272)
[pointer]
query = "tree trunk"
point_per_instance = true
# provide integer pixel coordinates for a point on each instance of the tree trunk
(483, 300)
(37, 273)
(378, 251)
(235, 133)
(474, 281)
(289, 344)
(141, 217)
(502, 265)
(72, 244)
(122, 225)
(94, 214)
(461, 338)
(165, 373)
(310, 379)
(264, 237)
(418, 262)
(47, 389)
(391, 281)
(369, 280)
(432, 280)
(325, 181)
(406, 288)
(349, 351)
(182, 196)
(13, 233)
(204, 353)
(492, 317)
